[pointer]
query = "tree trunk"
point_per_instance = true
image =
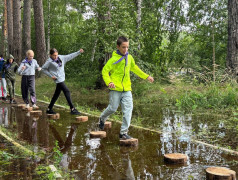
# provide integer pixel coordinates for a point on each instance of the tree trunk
(10, 26)
(40, 32)
(102, 19)
(138, 21)
(26, 41)
(48, 34)
(17, 41)
(232, 45)
(4, 31)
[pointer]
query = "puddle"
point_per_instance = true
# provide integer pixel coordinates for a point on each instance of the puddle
(105, 159)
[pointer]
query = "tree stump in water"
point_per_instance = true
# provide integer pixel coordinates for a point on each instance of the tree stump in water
(220, 173)
(21, 106)
(107, 125)
(98, 134)
(82, 118)
(53, 116)
(129, 142)
(28, 109)
(175, 158)
(38, 113)
(36, 108)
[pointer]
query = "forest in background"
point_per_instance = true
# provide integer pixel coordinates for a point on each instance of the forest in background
(165, 36)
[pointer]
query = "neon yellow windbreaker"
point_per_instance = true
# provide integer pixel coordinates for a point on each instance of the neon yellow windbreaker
(120, 73)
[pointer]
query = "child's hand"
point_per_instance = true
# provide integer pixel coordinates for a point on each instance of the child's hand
(150, 79)
(111, 85)
(23, 67)
(39, 69)
(81, 50)
(53, 77)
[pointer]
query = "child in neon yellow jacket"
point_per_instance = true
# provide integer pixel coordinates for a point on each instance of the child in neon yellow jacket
(116, 74)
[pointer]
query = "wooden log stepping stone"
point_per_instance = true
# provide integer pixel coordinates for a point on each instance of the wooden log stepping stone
(21, 106)
(36, 108)
(38, 112)
(98, 134)
(129, 142)
(28, 109)
(175, 158)
(82, 118)
(53, 116)
(220, 173)
(107, 125)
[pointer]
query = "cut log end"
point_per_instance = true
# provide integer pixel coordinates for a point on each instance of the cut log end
(98, 134)
(28, 109)
(220, 173)
(129, 142)
(38, 112)
(53, 116)
(82, 118)
(107, 125)
(175, 158)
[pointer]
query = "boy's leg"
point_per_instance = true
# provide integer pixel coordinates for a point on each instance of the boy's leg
(9, 85)
(55, 96)
(127, 107)
(114, 101)
(31, 84)
(24, 89)
(4, 86)
(1, 90)
(13, 88)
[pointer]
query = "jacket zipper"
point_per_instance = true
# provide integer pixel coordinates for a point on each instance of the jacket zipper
(123, 76)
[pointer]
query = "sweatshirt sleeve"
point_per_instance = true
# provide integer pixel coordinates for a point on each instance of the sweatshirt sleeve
(105, 72)
(66, 58)
(36, 65)
(19, 70)
(45, 69)
(135, 69)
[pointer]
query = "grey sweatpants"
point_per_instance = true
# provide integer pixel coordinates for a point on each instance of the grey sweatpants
(115, 99)
(28, 84)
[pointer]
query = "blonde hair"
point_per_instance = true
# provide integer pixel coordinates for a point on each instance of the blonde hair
(29, 52)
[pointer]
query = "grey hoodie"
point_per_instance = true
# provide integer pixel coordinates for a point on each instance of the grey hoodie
(51, 68)
(30, 69)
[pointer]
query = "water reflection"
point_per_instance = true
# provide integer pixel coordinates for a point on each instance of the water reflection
(4, 116)
(105, 159)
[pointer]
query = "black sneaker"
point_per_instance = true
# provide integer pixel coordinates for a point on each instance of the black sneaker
(75, 112)
(50, 111)
(13, 101)
(4, 99)
(124, 136)
(101, 125)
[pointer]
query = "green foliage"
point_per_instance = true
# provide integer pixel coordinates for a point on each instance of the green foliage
(211, 98)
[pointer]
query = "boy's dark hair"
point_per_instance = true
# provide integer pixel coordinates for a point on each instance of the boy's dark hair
(1, 56)
(121, 39)
(53, 50)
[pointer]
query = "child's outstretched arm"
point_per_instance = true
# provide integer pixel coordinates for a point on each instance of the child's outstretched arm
(71, 56)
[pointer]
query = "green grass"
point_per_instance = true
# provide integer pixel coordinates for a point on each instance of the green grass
(184, 96)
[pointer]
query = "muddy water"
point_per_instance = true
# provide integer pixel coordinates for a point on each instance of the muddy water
(105, 159)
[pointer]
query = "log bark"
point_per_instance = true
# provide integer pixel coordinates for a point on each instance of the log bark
(232, 44)
(17, 35)
(26, 41)
(10, 26)
(40, 32)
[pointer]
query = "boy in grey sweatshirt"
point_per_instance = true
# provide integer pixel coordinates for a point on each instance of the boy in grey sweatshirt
(27, 70)
(54, 68)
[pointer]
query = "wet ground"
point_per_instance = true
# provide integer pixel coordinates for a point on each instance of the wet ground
(106, 159)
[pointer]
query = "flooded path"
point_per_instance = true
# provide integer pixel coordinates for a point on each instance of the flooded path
(105, 159)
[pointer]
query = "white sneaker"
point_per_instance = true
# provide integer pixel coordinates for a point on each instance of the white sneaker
(35, 106)
(27, 106)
